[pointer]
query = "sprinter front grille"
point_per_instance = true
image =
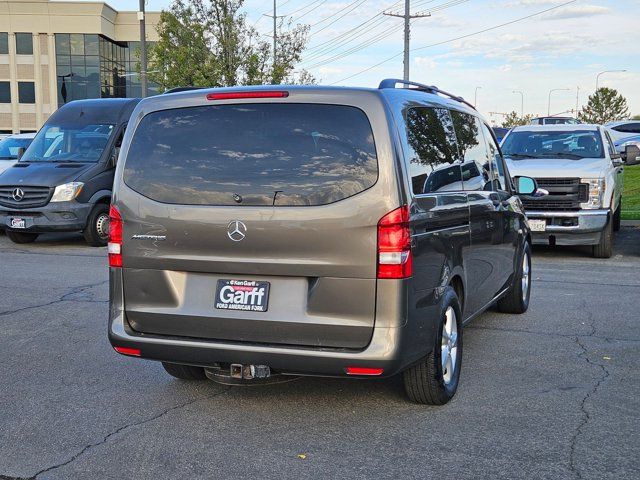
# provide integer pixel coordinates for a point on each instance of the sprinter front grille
(22, 196)
(564, 194)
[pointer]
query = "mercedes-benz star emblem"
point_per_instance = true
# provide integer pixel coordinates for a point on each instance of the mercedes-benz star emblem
(17, 194)
(236, 230)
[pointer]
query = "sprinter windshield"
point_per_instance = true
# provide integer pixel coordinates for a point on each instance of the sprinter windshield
(69, 143)
(252, 155)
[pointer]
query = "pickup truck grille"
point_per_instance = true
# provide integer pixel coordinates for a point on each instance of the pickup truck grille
(31, 196)
(564, 194)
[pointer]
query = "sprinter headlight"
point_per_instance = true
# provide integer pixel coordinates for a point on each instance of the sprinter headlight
(67, 192)
(596, 192)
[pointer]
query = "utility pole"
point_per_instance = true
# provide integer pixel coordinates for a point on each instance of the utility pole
(577, 100)
(275, 33)
(143, 51)
(407, 31)
(275, 17)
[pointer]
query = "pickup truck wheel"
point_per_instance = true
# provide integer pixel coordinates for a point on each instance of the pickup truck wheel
(96, 232)
(617, 218)
(516, 300)
(21, 237)
(184, 372)
(434, 380)
(604, 249)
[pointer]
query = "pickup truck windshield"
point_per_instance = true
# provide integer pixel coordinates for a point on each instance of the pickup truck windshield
(69, 143)
(573, 145)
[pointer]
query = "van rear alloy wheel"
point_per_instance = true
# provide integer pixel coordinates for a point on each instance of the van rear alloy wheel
(434, 380)
(516, 300)
(97, 231)
(21, 237)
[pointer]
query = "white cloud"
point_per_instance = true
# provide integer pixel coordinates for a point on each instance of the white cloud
(577, 11)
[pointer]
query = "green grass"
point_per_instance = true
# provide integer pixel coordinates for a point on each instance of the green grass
(631, 194)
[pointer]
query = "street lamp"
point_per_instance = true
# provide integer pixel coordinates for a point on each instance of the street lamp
(475, 98)
(606, 71)
(550, 92)
(521, 102)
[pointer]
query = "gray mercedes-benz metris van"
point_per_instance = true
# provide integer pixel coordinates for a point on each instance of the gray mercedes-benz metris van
(321, 231)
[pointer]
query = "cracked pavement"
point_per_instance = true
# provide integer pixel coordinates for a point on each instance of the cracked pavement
(554, 393)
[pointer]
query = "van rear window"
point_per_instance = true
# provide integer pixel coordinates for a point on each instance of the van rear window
(252, 154)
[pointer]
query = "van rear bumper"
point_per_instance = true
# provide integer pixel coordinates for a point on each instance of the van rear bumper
(53, 217)
(391, 348)
(383, 352)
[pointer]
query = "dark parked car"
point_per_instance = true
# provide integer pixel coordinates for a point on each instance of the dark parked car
(63, 181)
(340, 232)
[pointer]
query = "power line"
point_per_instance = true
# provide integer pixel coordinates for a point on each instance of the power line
(358, 2)
(303, 7)
(455, 39)
(309, 11)
(374, 39)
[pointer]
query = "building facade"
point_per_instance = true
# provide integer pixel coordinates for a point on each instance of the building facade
(54, 52)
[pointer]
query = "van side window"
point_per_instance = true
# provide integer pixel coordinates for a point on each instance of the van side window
(434, 163)
(500, 182)
(476, 169)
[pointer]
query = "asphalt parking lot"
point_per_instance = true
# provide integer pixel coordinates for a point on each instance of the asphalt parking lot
(553, 394)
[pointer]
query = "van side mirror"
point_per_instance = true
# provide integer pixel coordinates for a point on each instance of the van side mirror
(528, 186)
(20, 152)
(631, 155)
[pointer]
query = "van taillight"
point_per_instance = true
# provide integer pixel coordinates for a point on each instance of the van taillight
(394, 245)
(250, 94)
(115, 237)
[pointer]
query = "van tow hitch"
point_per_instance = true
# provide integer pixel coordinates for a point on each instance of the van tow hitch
(238, 374)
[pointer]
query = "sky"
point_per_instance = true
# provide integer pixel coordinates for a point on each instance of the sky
(564, 48)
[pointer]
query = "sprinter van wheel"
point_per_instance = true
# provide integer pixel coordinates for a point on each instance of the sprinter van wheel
(516, 300)
(434, 380)
(184, 372)
(21, 237)
(97, 231)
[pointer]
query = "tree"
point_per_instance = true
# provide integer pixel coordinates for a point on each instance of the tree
(605, 105)
(514, 120)
(208, 43)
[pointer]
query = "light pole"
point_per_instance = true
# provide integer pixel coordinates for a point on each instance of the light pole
(143, 51)
(475, 97)
(521, 102)
(606, 71)
(550, 92)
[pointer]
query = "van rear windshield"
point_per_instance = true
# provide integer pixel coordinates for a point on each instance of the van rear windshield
(252, 155)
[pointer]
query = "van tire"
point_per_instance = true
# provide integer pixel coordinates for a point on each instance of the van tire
(94, 233)
(516, 300)
(21, 237)
(604, 249)
(424, 382)
(617, 218)
(184, 372)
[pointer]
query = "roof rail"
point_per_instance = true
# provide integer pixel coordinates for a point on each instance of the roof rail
(392, 82)
(183, 89)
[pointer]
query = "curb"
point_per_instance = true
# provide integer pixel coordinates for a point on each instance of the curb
(630, 223)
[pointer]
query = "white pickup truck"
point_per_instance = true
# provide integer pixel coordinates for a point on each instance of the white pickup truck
(582, 171)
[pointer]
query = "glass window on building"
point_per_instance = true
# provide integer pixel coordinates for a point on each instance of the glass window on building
(26, 92)
(5, 92)
(4, 43)
(24, 44)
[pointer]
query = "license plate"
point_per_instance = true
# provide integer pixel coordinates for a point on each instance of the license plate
(245, 295)
(18, 223)
(537, 225)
